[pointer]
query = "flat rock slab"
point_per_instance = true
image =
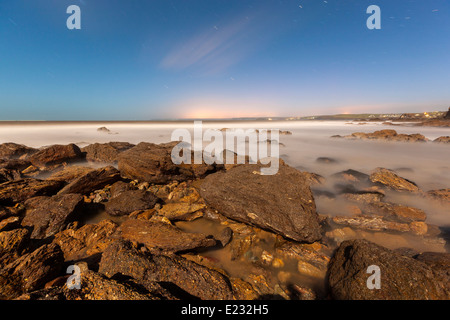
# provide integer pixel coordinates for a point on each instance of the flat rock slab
(49, 215)
(282, 203)
(20, 190)
(184, 276)
(129, 201)
(91, 181)
(160, 235)
(402, 277)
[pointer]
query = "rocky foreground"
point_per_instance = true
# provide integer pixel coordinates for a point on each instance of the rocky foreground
(140, 227)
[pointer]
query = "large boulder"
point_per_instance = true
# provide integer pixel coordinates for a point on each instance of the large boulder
(20, 190)
(185, 278)
(153, 163)
(49, 215)
(129, 201)
(282, 203)
(56, 154)
(11, 150)
(91, 181)
(401, 277)
(105, 152)
(31, 271)
(164, 236)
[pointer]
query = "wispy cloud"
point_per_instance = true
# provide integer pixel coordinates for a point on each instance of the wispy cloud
(216, 49)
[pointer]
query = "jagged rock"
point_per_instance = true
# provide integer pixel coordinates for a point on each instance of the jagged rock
(130, 201)
(87, 241)
(91, 181)
(14, 164)
(390, 179)
(49, 215)
(21, 190)
(12, 244)
(9, 223)
(153, 163)
(439, 261)
(13, 150)
(70, 173)
(56, 154)
(31, 271)
(164, 236)
(442, 195)
(182, 211)
(9, 175)
(118, 187)
(282, 203)
(443, 139)
(401, 277)
(106, 152)
(96, 286)
(184, 277)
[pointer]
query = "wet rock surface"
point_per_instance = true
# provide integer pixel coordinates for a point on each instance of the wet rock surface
(282, 203)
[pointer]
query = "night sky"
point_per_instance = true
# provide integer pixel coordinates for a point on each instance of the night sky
(163, 59)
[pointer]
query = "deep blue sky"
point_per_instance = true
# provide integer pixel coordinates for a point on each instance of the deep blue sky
(158, 59)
